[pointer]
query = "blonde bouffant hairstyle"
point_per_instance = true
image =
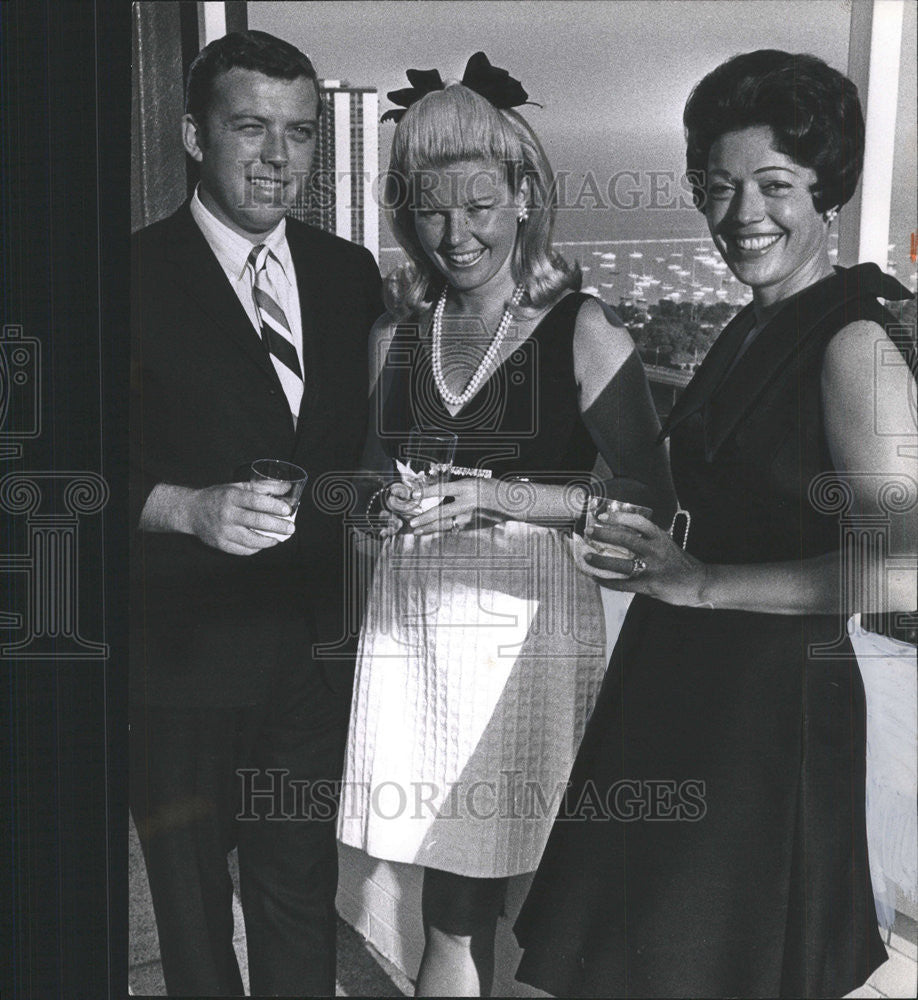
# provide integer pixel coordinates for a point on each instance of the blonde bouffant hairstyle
(456, 124)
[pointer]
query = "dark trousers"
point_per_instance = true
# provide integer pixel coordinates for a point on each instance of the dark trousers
(263, 779)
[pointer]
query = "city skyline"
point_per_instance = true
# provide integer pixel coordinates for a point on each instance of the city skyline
(346, 159)
(612, 79)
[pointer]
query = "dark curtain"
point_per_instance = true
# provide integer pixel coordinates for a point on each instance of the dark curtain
(165, 38)
(158, 176)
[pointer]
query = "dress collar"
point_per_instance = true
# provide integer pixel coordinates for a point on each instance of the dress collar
(725, 398)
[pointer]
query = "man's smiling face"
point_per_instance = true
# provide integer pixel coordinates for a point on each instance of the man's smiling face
(255, 148)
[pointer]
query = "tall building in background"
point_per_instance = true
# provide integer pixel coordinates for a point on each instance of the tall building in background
(341, 197)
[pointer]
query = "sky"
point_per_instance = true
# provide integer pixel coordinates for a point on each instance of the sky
(612, 76)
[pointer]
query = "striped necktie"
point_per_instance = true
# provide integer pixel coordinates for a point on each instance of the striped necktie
(275, 330)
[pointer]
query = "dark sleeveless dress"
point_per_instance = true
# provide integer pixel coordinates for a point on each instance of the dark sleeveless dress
(474, 677)
(524, 420)
(713, 840)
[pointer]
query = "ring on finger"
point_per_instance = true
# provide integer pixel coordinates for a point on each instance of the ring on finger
(638, 566)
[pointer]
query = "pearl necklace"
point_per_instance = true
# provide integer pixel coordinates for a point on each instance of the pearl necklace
(451, 398)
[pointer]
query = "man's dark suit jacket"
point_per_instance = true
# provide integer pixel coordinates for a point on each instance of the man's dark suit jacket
(209, 628)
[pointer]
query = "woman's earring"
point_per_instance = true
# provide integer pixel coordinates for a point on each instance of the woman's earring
(523, 214)
(829, 215)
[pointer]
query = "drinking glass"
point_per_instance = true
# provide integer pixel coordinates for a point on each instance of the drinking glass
(426, 458)
(290, 481)
(599, 528)
(430, 454)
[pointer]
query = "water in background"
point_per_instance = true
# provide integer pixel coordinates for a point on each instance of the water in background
(641, 271)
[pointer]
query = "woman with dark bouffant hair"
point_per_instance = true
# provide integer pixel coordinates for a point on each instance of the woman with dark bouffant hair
(726, 750)
(482, 647)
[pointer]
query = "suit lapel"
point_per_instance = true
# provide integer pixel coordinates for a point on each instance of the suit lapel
(313, 300)
(207, 285)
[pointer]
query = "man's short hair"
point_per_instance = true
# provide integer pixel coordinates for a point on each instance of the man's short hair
(254, 50)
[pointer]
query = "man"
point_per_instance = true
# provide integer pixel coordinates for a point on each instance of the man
(249, 341)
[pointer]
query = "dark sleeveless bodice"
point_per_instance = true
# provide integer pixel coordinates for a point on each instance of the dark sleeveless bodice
(748, 499)
(748, 449)
(524, 420)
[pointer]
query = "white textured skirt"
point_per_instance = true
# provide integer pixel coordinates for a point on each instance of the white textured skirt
(481, 656)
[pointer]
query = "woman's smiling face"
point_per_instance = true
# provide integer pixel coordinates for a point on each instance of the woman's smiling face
(760, 211)
(465, 218)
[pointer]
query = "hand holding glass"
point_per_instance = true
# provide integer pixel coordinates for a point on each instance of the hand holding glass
(283, 480)
(428, 458)
(600, 527)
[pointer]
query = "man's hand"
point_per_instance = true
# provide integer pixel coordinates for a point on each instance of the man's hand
(228, 517)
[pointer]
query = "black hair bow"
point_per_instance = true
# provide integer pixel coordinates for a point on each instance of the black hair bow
(491, 82)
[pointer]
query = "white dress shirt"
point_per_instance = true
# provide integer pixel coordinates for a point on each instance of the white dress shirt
(232, 252)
